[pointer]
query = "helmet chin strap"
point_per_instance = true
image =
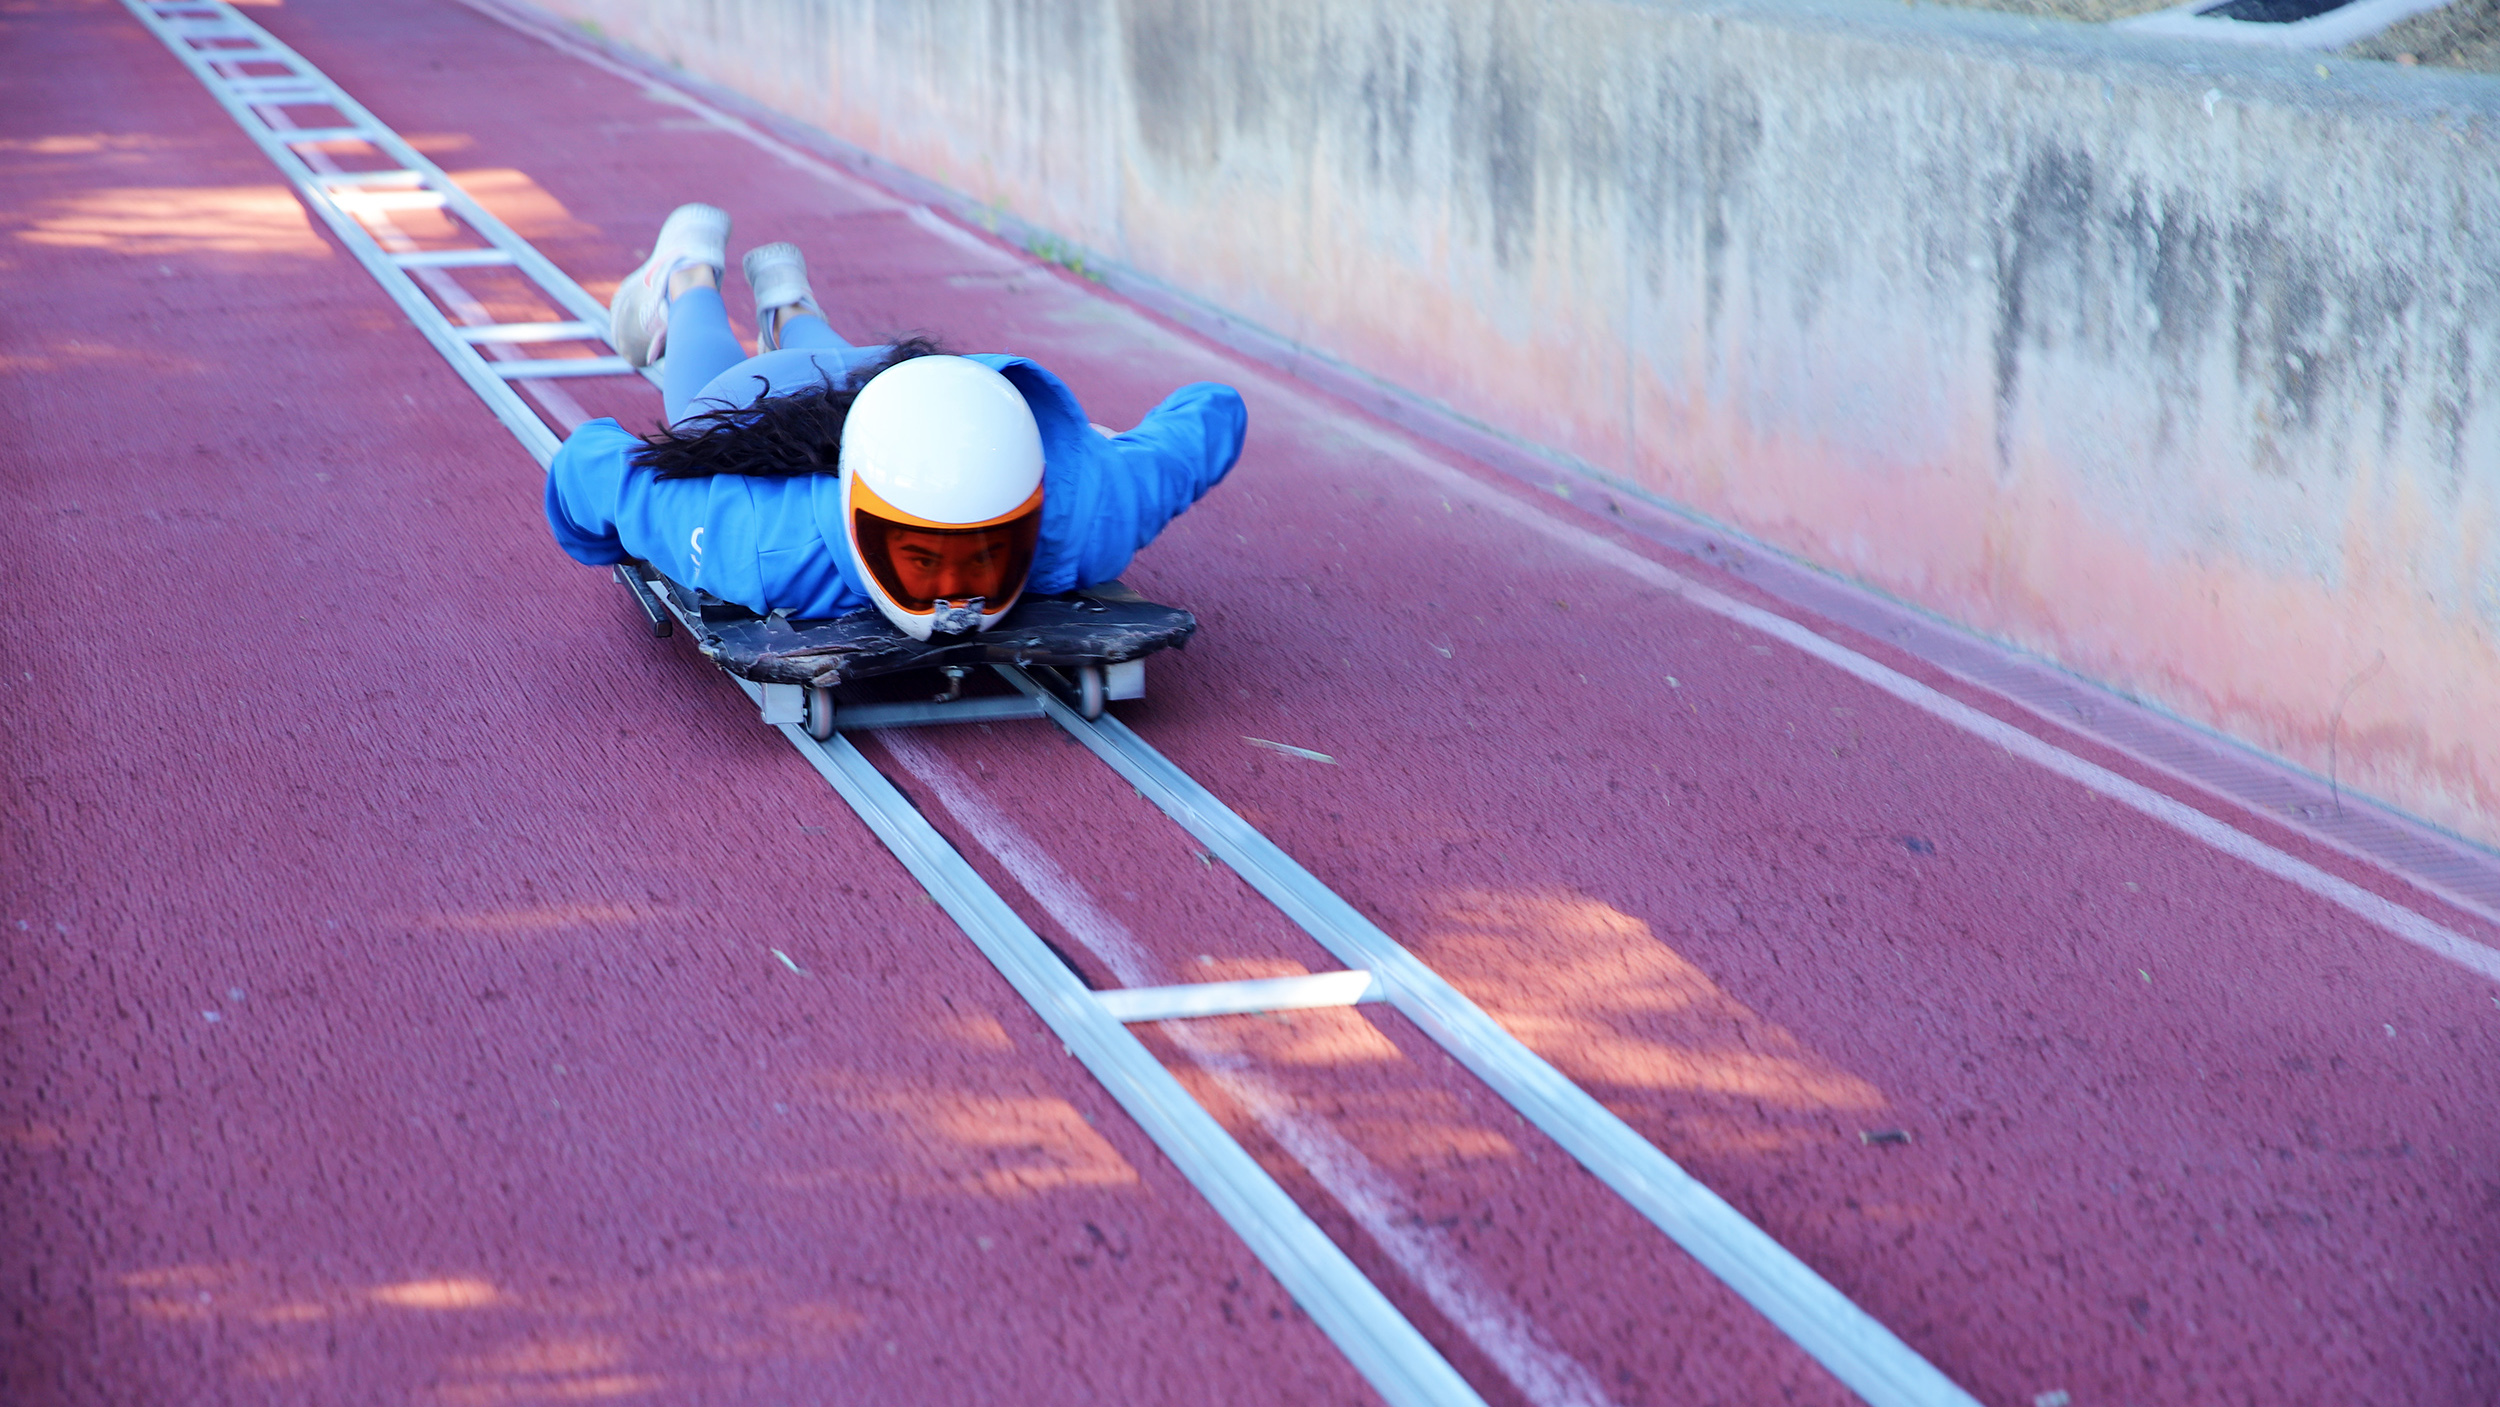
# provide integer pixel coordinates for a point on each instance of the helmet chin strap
(957, 617)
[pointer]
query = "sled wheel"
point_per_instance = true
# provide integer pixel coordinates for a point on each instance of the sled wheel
(1089, 691)
(819, 713)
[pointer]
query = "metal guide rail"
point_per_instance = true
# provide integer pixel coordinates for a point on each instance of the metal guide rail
(233, 57)
(221, 47)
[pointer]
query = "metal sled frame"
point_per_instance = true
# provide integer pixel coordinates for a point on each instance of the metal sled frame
(1090, 644)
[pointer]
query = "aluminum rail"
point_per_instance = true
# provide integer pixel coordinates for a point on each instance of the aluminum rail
(336, 197)
(1377, 1340)
(1852, 1344)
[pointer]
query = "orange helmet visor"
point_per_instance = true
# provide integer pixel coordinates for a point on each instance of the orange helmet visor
(919, 563)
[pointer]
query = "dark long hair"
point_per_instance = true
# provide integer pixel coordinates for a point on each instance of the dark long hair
(779, 437)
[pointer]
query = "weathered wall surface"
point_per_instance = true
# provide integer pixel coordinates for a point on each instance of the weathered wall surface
(2181, 367)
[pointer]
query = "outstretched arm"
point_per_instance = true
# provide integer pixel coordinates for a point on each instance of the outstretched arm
(1183, 447)
(585, 485)
(604, 508)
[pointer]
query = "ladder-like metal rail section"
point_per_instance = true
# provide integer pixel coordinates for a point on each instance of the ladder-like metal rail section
(215, 42)
(218, 45)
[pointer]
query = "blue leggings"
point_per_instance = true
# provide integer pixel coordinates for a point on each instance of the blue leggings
(701, 346)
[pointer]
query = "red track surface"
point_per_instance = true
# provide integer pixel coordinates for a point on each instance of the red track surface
(392, 1014)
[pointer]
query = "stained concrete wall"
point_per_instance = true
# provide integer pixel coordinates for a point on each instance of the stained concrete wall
(2179, 366)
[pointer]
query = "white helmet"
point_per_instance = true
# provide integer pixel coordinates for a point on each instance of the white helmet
(942, 493)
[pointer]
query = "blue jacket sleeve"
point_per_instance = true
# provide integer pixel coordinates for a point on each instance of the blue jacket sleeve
(585, 485)
(709, 532)
(1182, 448)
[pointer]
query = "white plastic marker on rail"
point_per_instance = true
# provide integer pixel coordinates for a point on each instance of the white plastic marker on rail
(1846, 1340)
(1376, 1339)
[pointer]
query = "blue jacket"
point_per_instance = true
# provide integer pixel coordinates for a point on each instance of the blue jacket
(773, 543)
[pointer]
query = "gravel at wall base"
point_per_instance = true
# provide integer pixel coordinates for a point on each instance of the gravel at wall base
(2464, 35)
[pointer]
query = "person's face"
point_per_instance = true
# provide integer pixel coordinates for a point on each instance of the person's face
(948, 566)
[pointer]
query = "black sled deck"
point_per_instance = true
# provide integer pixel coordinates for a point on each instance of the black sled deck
(1093, 641)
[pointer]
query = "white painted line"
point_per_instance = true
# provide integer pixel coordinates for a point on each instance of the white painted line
(1543, 1373)
(1258, 994)
(2394, 918)
(1380, 1343)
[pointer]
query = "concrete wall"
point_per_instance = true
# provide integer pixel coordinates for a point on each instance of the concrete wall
(2179, 366)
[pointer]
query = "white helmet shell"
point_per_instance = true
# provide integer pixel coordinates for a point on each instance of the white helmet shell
(936, 446)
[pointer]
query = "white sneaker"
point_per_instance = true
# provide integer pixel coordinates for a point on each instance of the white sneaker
(777, 274)
(638, 314)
